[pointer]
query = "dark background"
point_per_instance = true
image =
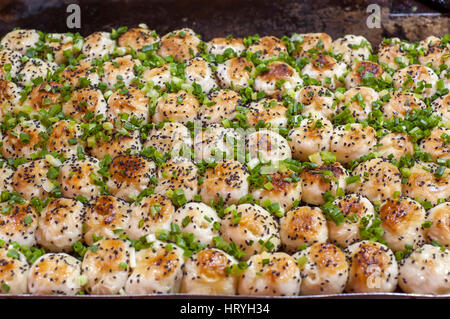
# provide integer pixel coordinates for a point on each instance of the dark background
(407, 19)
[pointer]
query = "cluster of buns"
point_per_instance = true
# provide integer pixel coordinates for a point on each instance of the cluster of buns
(105, 177)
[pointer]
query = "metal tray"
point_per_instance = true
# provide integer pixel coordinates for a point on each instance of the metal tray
(408, 19)
(390, 295)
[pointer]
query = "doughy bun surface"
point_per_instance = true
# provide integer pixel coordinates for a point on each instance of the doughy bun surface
(140, 162)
